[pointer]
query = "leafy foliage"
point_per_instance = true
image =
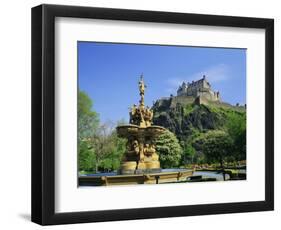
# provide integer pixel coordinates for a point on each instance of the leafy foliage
(99, 147)
(109, 158)
(217, 146)
(191, 122)
(188, 153)
(169, 149)
(88, 119)
(86, 157)
(236, 127)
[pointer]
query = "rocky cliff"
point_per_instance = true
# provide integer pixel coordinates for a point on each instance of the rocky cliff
(185, 118)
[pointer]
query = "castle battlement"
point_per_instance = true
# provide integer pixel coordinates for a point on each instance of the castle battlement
(201, 88)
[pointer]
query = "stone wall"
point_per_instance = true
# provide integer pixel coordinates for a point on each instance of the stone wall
(184, 100)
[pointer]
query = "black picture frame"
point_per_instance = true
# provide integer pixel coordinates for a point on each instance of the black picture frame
(43, 114)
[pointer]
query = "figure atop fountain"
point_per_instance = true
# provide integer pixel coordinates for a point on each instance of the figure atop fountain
(141, 115)
(142, 87)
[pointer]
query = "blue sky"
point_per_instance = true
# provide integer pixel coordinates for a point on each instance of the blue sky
(109, 73)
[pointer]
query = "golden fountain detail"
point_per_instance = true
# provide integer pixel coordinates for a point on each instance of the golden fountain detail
(141, 155)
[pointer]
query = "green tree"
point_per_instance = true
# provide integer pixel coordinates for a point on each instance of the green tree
(88, 119)
(99, 146)
(113, 159)
(236, 127)
(86, 157)
(169, 149)
(101, 143)
(188, 153)
(88, 122)
(217, 147)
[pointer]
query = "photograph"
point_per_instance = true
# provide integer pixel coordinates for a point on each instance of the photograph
(158, 114)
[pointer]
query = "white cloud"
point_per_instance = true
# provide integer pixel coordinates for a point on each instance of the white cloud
(171, 90)
(216, 73)
(175, 82)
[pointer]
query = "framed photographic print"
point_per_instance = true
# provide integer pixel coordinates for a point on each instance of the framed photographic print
(142, 114)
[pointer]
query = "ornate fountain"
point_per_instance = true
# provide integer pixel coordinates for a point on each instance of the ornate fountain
(140, 163)
(140, 156)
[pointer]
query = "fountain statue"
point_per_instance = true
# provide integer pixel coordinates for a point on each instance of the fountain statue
(141, 155)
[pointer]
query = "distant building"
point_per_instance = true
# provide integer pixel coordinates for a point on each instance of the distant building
(197, 92)
(200, 88)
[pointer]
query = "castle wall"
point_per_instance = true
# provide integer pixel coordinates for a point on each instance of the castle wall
(201, 100)
(184, 100)
(165, 102)
(206, 85)
(210, 95)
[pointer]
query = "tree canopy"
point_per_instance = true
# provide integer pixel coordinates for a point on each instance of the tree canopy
(216, 146)
(99, 147)
(236, 127)
(88, 119)
(169, 149)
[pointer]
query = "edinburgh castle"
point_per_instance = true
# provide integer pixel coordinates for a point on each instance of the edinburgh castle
(198, 92)
(200, 88)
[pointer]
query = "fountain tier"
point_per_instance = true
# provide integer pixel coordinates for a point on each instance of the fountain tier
(141, 155)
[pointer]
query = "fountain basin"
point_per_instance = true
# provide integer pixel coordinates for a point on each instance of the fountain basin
(140, 156)
(166, 176)
(130, 130)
